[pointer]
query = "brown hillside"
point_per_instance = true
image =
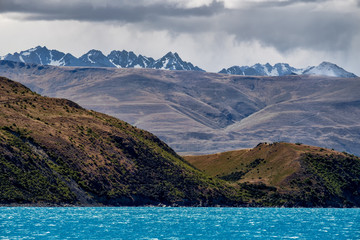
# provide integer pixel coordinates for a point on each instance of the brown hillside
(274, 164)
(53, 151)
(302, 175)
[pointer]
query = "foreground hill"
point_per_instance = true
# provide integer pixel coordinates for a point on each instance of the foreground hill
(307, 174)
(196, 112)
(53, 151)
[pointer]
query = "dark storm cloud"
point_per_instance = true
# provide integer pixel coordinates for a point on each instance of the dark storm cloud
(284, 25)
(123, 11)
(285, 30)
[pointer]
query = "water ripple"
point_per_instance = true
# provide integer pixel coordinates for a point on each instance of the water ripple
(178, 223)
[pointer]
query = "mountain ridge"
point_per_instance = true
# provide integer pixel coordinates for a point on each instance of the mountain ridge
(95, 58)
(170, 61)
(283, 69)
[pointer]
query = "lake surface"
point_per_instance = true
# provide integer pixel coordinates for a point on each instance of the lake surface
(178, 223)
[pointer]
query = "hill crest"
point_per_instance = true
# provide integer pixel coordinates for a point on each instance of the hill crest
(299, 170)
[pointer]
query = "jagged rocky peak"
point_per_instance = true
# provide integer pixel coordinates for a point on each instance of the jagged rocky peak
(122, 59)
(38, 55)
(234, 70)
(169, 61)
(95, 58)
(125, 59)
(35, 49)
(172, 61)
(93, 55)
(95, 52)
(169, 55)
(174, 56)
(279, 69)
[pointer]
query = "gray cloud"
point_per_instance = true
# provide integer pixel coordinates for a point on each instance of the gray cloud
(284, 29)
(274, 3)
(123, 11)
(284, 25)
(294, 28)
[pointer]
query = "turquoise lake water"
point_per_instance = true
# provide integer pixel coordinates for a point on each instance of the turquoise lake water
(178, 223)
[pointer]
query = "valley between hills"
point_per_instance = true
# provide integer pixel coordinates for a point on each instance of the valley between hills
(56, 153)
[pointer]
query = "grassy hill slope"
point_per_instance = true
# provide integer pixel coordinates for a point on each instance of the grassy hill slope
(304, 175)
(54, 152)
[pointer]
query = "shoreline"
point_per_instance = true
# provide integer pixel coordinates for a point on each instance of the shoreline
(48, 205)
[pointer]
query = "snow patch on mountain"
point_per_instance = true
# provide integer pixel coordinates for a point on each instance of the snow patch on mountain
(21, 59)
(26, 54)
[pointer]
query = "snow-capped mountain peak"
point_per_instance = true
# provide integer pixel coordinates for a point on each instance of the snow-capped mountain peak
(328, 69)
(95, 58)
(38, 55)
(95, 53)
(279, 69)
(282, 69)
(170, 61)
(170, 55)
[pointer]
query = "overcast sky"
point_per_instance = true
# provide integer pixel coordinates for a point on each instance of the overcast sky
(212, 34)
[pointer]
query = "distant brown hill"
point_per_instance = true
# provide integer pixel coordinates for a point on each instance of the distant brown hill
(202, 113)
(309, 174)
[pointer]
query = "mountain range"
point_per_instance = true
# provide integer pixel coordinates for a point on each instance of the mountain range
(283, 69)
(95, 58)
(197, 112)
(171, 61)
